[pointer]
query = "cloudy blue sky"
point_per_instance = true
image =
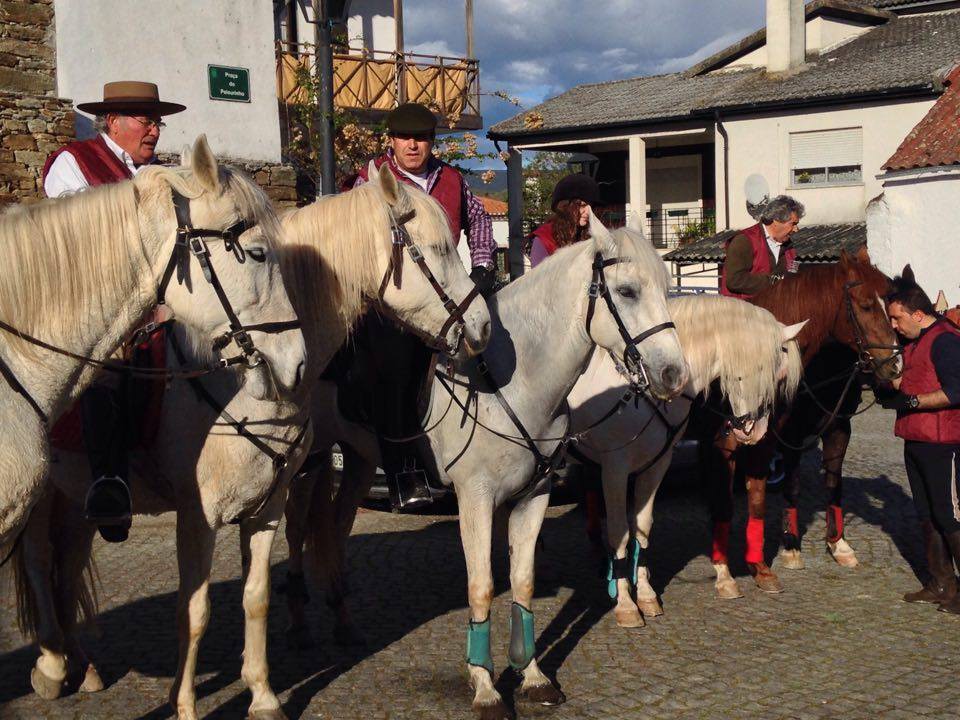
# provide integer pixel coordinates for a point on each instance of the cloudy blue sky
(536, 49)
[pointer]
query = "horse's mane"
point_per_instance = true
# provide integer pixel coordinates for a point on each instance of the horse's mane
(329, 256)
(815, 293)
(67, 259)
(746, 340)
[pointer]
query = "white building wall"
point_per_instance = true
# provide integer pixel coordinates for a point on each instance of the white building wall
(822, 33)
(761, 145)
(915, 221)
(372, 25)
(170, 43)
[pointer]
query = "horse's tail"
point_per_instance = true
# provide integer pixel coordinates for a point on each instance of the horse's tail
(28, 610)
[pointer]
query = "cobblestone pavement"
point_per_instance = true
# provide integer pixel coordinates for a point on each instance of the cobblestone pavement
(838, 643)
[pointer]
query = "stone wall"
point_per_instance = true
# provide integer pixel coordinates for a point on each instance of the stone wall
(33, 121)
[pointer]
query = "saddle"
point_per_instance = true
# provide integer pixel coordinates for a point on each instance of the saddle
(143, 397)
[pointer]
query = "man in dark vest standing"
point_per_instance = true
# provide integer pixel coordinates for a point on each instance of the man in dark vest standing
(762, 255)
(927, 402)
(412, 131)
(128, 121)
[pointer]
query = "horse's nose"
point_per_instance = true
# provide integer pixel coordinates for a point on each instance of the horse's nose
(671, 377)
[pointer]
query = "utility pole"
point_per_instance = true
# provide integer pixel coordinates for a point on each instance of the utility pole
(323, 67)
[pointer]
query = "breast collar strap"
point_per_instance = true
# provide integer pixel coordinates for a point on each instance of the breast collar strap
(400, 240)
(193, 241)
(599, 288)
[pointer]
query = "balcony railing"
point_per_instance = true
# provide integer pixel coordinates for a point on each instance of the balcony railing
(671, 226)
(371, 83)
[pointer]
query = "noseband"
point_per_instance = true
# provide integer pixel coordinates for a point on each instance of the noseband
(191, 240)
(599, 288)
(400, 239)
(866, 360)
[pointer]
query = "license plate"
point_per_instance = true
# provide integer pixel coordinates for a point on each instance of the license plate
(337, 461)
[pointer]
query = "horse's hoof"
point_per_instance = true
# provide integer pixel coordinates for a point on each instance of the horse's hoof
(628, 617)
(791, 560)
(349, 636)
(728, 590)
(274, 714)
(765, 578)
(92, 682)
(46, 687)
(299, 638)
(497, 711)
(543, 695)
(843, 553)
(650, 608)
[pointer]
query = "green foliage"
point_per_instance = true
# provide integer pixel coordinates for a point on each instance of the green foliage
(540, 176)
(693, 231)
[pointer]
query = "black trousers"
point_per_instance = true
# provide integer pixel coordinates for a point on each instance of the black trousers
(932, 469)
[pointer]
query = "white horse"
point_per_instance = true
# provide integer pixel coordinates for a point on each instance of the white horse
(82, 273)
(757, 364)
(546, 325)
(334, 255)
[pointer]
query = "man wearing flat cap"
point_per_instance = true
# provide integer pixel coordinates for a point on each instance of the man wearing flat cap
(128, 120)
(397, 383)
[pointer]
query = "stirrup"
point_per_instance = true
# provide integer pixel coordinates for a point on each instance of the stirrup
(409, 489)
(108, 502)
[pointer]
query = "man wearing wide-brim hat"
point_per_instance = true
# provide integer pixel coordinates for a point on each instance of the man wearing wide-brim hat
(128, 120)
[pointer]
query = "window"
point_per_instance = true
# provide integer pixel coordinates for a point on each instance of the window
(826, 157)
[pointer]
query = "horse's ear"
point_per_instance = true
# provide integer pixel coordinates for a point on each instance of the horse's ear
(941, 304)
(186, 155)
(205, 165)
(790, 332)
(635, 224)
(388, 182)
(862, 255)
(372, 172)
(907, 274)
(598, 231)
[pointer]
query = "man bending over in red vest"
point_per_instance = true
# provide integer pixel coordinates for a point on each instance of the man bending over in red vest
(128, 121)
(927, 402)
(762, 255)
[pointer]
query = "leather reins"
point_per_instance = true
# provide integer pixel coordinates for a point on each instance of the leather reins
(399, 240)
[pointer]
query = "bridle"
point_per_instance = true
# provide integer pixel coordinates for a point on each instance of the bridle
(632, 358)
(866, 362)
(191, 240)
(400, 240)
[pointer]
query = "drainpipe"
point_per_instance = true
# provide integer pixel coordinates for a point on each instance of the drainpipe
(726, 168)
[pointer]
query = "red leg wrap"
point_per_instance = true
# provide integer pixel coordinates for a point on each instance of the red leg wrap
(792, 526)
(721, 542)
(754, 552)
(834, 523)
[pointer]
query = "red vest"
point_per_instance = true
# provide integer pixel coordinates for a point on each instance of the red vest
(96, 160)
(545, 234)
(919, 376)
(761, 258)
(448, 191)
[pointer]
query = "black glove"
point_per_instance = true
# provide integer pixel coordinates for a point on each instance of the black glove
(900, 402)
(484, 279)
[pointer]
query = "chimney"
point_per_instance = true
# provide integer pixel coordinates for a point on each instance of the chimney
(786, 35)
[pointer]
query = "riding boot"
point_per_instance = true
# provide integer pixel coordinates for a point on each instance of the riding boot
(104, 434)
(952, 605)
(942, 586)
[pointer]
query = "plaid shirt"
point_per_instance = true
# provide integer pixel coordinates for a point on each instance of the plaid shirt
(479, 226)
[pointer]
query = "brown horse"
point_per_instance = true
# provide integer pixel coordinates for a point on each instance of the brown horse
(848, 332)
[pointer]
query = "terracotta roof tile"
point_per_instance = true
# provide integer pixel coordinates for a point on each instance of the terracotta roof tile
(493, 206)
(935, 140)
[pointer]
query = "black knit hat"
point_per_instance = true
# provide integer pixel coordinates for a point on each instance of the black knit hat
(576, 187)
(411, 119)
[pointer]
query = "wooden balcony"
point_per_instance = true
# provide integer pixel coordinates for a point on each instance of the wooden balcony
(369, 84)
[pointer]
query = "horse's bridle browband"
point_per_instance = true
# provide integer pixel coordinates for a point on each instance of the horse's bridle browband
(191, 240)
(401, 239)
(866, 361)
(599, 288)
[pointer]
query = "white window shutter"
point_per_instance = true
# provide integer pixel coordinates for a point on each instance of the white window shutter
(826, 148)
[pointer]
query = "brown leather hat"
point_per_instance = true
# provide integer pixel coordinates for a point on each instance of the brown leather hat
(131, 96)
